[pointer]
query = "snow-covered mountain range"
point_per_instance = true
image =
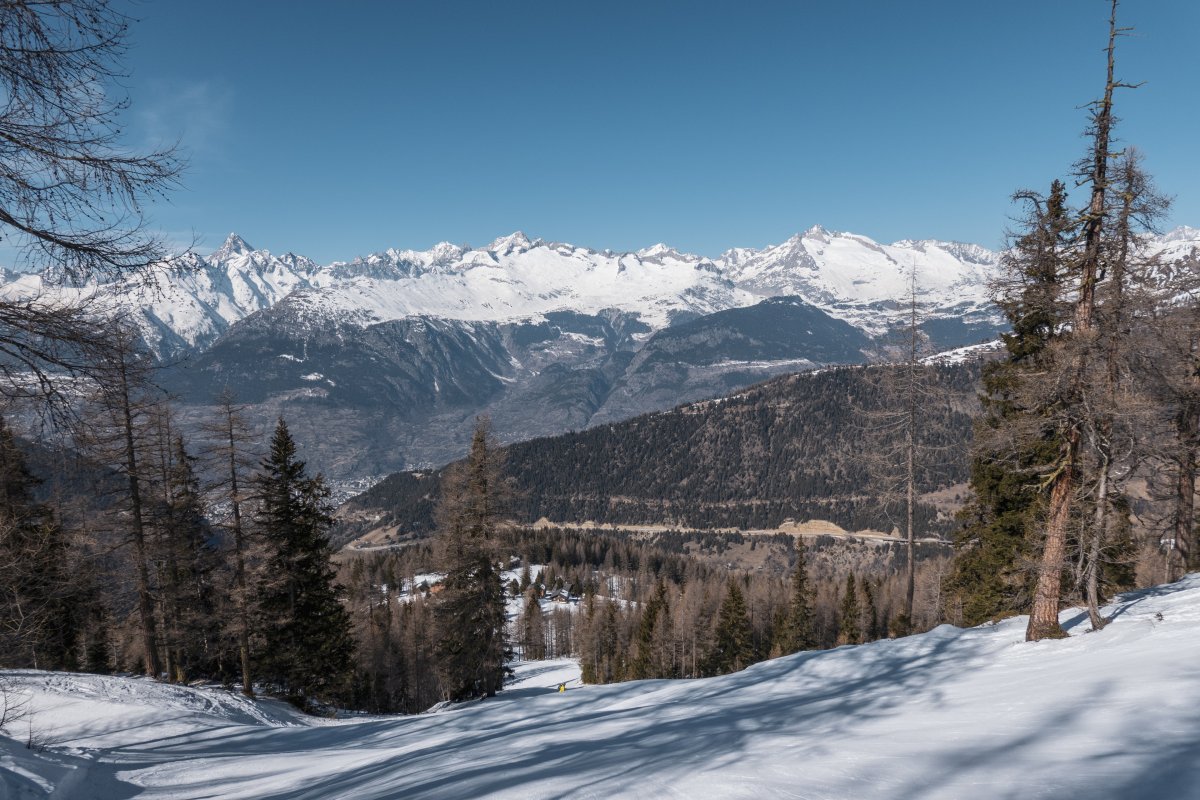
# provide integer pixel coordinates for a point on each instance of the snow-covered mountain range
(851, 277)
(192, 301)
(400, 350)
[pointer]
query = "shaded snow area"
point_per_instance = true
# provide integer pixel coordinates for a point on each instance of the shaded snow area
(952, 713)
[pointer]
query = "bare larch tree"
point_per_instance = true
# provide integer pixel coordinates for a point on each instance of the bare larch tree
(72, 195)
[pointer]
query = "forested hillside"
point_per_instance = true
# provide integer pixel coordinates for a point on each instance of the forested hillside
(800, 447)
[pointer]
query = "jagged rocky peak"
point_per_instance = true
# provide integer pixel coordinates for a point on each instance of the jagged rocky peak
(516, 242)
(737, 256)
(445, 253)
(970, 253)
(233, 245)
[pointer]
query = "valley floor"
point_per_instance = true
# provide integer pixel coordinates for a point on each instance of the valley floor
(952, 713)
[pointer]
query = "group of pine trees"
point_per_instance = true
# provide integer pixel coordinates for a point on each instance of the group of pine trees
(182, 576)
(716, 623)
(627, 606)
(417, 648)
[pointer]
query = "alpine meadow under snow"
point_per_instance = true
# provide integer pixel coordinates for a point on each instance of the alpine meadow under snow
(950, 713)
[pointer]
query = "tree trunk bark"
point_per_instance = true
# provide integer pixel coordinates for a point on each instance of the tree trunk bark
(145, 600)
(1043, 620)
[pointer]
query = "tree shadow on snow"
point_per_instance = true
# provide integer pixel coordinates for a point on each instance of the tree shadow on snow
(613, 737)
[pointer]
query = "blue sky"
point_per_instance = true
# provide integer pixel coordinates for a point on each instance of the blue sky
(339, 129)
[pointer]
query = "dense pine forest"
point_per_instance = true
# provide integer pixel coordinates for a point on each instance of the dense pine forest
(809, 446)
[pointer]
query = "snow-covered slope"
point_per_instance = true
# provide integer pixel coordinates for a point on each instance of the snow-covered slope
(952, 713)
(514, 278)
(852, 276)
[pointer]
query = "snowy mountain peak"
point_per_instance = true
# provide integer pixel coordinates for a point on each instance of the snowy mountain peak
(233, 245)
(1183, 233)
(516, 242)
(445, 251)
(657, 252)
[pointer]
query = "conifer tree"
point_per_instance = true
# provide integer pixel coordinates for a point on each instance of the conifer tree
(899, 454)
(849, 616)
(470, 608)
(1072, 415)
(533, 633)
(870, 612)
(796, 631)
(126, 402)
(1116, 412)
(191, 563)
(230, 443)
(989, 578)
(655, 618)
(39, 602)
(307, 645)
(733, 646)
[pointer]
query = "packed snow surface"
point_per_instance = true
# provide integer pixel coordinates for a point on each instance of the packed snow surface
(952, 713)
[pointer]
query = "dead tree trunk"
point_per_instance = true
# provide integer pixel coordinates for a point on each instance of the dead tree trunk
(1096, 540)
